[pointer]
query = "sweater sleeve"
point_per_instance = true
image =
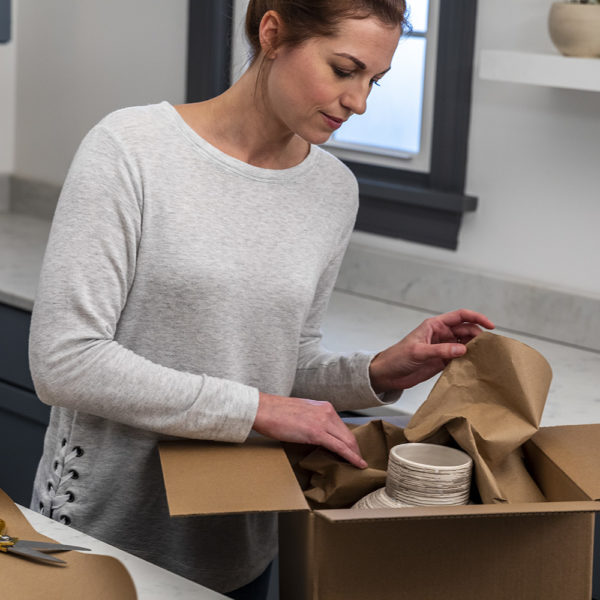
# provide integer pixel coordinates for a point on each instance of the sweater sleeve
(342, 379)
(88, 269)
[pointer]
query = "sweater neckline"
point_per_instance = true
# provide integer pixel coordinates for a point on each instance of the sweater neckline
(235, 164)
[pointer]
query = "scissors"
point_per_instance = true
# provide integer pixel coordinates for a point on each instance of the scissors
(31, 549)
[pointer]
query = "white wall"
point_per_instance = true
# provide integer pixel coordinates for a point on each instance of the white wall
(534, 163)
(534, 156)
(78, 61)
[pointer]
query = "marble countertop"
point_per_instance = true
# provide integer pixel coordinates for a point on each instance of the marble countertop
(23, 240)
(357, 323)
(151, 582)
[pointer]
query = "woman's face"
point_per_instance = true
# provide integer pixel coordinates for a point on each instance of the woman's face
(316, 86)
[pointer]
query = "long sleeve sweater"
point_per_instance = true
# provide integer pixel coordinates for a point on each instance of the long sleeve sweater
(178, 282)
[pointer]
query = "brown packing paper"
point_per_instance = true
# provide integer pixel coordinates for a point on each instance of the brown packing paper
(88, 576)
(487, 402)
(490, 401)
(334, 483)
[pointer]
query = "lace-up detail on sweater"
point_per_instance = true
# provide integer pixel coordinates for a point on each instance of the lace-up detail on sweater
(63, 472)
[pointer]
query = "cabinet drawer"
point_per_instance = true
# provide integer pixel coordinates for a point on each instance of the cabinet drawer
(14, 343)
(23, 420)
(22, 404)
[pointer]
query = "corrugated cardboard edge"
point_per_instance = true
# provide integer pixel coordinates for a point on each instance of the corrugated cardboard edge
(466, 511)
(298, 565)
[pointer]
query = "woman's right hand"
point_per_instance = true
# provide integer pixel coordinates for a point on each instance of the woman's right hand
(306, 422)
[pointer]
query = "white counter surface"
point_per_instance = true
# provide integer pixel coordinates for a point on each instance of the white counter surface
(151, 582)
(23, 240)
(356, 323)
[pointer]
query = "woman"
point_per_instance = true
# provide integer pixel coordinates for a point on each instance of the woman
(191, 259)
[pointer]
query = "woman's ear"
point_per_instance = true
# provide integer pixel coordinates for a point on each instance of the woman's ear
(269, 33)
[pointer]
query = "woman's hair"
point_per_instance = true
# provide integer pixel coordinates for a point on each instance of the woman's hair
(305, 19)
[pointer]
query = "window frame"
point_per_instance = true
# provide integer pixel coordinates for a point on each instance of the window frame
(423, 207)
(398, 159)
(5, 21)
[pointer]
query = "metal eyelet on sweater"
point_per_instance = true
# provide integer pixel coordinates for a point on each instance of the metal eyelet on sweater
(65, 520)
(64, 442)
(41, 506)
(71, 497)
(49, 486)
(74, 474)
(78, 450)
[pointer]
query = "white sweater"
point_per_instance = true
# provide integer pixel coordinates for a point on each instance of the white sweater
(177, 283)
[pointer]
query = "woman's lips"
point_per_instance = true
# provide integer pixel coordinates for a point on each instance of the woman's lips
(332, 122)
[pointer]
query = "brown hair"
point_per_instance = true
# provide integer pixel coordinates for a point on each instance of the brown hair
(305, 19)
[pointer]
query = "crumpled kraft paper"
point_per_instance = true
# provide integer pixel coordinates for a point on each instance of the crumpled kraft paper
(335, 483)
(487, 402)
(490, 401)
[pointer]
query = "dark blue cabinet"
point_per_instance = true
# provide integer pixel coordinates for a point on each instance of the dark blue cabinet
(23, 418)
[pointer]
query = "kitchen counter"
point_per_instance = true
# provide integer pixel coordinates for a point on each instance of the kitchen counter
(151, 582)
(23, 240)
(354, 322)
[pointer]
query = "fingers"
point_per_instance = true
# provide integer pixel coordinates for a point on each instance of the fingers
(465, 332)
(444, 352)
(339, 439)
(339, 447)
(463, 315)
(457, 326)
(306, 422)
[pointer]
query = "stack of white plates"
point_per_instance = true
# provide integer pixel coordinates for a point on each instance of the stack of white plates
(423, 475)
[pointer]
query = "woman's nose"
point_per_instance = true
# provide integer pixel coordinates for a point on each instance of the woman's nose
(355, 100)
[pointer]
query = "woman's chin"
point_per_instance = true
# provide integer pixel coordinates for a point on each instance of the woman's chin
(316, 138)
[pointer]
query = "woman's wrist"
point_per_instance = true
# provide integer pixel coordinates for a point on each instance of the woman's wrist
(376, 375)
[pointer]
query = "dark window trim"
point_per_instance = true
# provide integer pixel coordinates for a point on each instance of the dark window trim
(420, 207)
(209, 48)
(428, 207)
(5, 21)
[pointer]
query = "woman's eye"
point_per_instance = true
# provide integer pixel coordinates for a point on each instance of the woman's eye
(341, 73)
(345, 74)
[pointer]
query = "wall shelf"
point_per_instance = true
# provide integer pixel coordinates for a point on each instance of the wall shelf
(551, 70)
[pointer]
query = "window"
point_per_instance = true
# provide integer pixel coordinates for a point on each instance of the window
(396, 129)
(411, 186)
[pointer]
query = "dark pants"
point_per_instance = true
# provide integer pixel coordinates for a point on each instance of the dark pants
(256, 589)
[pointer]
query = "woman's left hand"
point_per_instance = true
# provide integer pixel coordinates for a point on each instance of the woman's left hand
(425, 351)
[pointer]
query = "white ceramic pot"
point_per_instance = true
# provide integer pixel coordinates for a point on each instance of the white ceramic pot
(575, 28)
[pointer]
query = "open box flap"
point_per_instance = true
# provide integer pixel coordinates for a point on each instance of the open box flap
(575, 450)
(206, 478)
(442, 512)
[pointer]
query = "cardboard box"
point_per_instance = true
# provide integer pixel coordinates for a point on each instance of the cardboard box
(521, 551)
